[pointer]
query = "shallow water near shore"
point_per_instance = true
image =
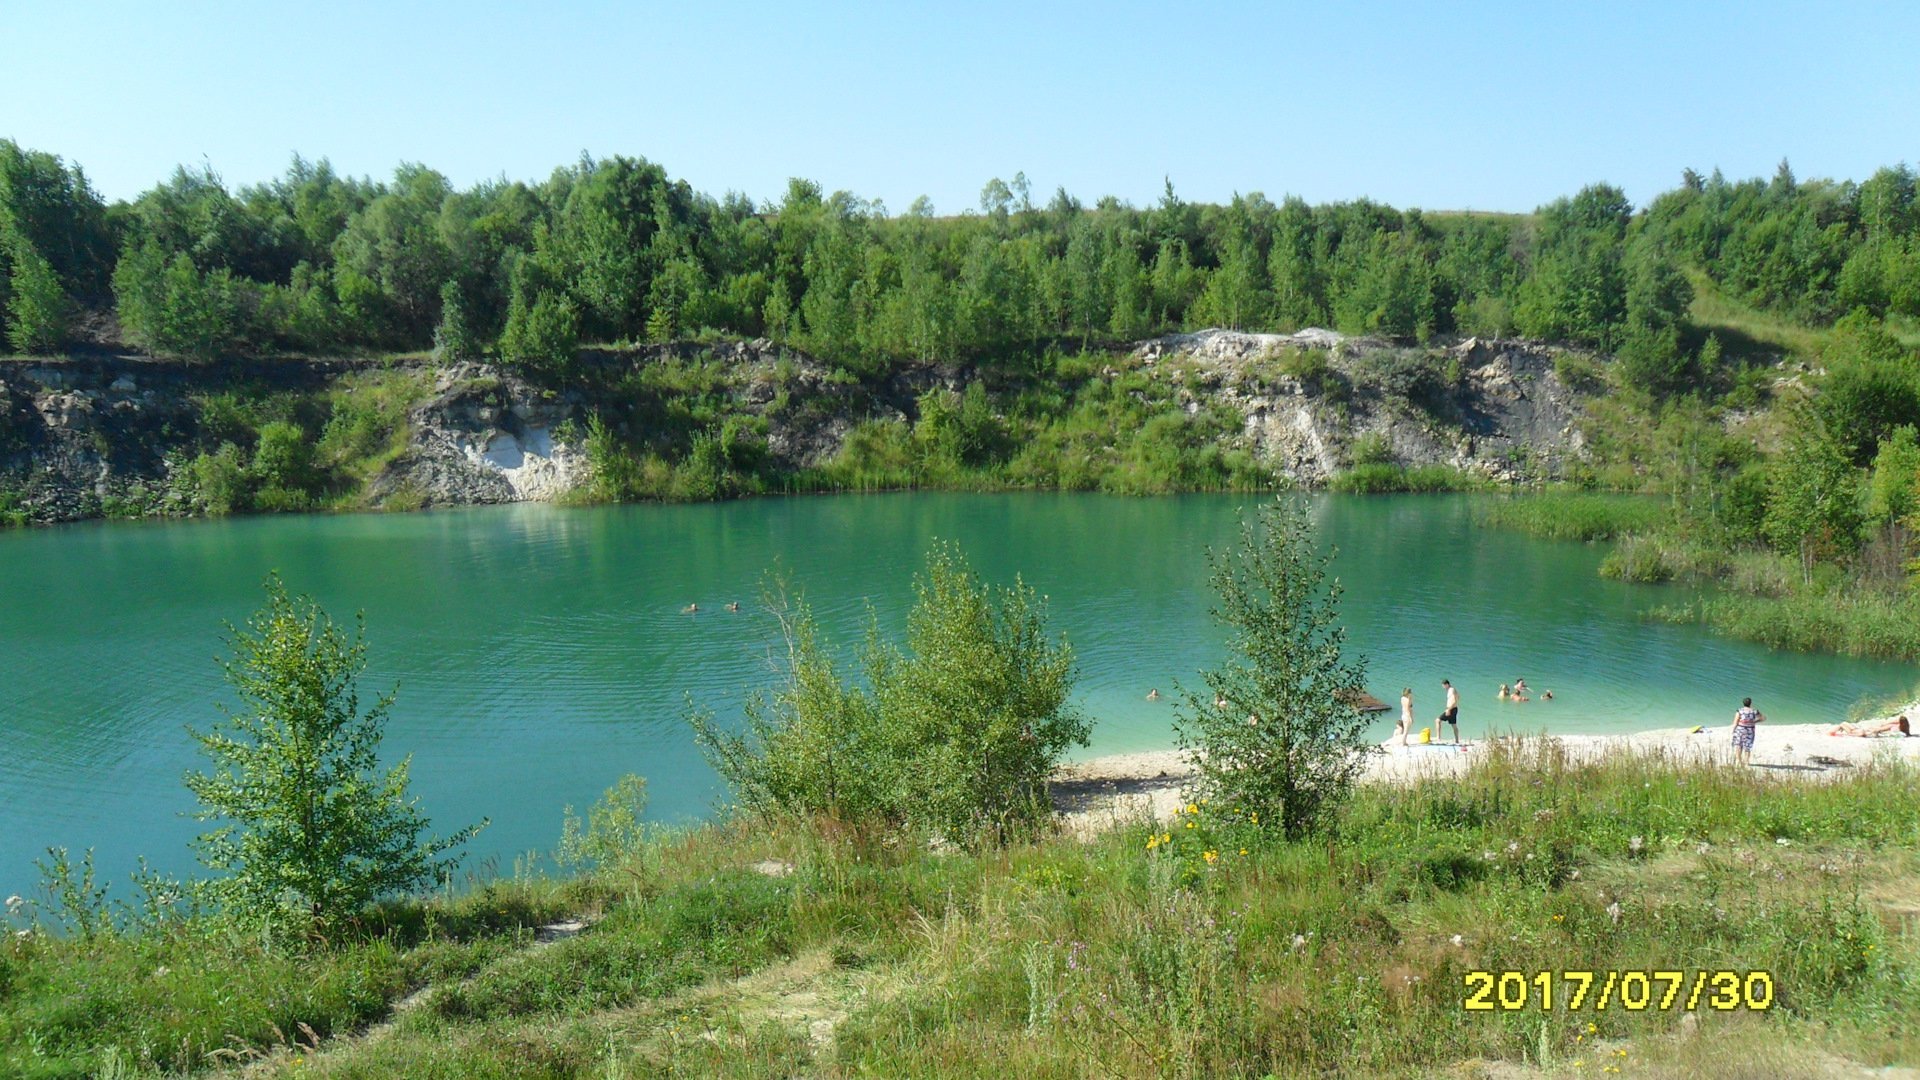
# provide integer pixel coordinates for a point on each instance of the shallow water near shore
(540, 653)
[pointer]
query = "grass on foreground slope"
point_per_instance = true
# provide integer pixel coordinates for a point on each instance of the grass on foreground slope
(862, 955)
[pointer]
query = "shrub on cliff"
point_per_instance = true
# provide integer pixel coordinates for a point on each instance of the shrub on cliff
(957, 732)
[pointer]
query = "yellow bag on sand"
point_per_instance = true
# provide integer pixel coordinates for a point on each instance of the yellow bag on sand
(1426, 735)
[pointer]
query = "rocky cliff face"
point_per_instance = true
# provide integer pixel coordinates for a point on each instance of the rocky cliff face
(487, 437)
(1311, 399)
(100, 436)
(109, 436)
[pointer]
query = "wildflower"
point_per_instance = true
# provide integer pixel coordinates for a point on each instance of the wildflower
(1189, 824)
(1487, 855)
(1635, 844)
(1613, 912)
(1166, 838)
(1702, 848)
(1299, 941)
(1513, 846)
(1255, 818)
(1192, 809)
(1593, 1028)
(1784, 842)
(1559, 918)
(1243, 851)
(1212, 857)
(1457, 940)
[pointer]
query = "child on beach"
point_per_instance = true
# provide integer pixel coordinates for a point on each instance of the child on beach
(1405, 725)
(1744, 721)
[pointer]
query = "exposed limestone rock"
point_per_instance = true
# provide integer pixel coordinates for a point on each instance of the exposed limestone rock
(79, 438)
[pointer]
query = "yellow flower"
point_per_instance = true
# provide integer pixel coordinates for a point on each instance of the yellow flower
(1255, 819)
(1243, 851)
(1558, 918)
(1192, 809)
(1592, 1028)
(1212, 856)
(1166, 838)
(1189, 824)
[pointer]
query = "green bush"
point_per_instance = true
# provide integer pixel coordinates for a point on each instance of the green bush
(282, 471)
(1277, 733)
(217, 483)
(308, 830)
(956, 733)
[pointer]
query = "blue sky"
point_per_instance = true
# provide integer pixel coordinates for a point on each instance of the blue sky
(1442, 106)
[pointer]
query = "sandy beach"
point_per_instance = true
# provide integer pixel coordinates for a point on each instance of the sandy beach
(1097, 793)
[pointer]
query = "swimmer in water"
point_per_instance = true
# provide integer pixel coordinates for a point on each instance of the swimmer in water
(690, 609)
(735, 606)
(1153, 695)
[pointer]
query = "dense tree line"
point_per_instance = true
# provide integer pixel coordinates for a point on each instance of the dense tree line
(614, 249)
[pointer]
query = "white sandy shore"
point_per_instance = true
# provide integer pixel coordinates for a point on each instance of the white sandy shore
(1097, 793)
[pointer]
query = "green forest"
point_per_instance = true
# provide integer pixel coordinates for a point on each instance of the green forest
(614, 250)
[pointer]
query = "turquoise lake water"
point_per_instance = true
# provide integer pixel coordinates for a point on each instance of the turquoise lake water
(540, 653)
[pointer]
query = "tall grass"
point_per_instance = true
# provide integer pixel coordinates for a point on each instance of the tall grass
(1870, 623)
(1567, 515)
(752, 949)
(1379, 477)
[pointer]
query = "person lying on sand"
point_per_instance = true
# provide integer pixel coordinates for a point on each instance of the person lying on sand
(1896, 726)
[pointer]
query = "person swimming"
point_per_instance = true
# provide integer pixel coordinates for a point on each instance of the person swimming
(734, 606)
(690, 609)
(1504, 692)
(1153, 695)
(1520, 691)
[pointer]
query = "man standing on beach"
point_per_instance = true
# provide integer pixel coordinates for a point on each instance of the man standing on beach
(1744, 720)
(1452, 713)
